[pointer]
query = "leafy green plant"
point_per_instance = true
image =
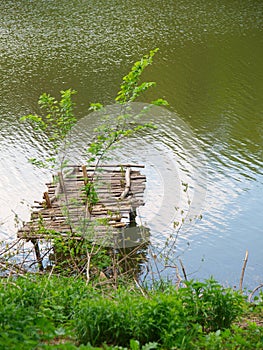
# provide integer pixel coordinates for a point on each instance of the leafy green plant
(54, 312)
(125, 124)
(91, 195)
(173, 319)
(56, 122)
(69, 257)
(211, 305)
(159, 319)
(59, 120)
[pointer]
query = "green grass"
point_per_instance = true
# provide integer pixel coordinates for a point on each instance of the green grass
(37, 312)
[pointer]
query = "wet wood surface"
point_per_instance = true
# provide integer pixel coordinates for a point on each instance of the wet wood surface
(66, 212)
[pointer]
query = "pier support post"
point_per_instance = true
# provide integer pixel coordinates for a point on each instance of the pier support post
(38, 256)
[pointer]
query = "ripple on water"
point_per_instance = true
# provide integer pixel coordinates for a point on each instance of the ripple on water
(210, 70)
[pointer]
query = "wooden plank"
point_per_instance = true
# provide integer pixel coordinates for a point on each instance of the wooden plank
(112, 184)
(47, 236)
(131, 165)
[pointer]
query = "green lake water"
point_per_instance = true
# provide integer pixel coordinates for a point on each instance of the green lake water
(210, 69)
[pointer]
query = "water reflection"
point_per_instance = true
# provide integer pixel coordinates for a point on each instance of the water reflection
(209, 68)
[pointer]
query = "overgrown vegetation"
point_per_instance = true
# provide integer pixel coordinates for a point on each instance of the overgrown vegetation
(89, 297)
(58, 119)
(52, 312)
(56, 122)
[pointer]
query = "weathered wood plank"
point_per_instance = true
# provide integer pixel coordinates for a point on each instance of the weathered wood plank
(119, 194)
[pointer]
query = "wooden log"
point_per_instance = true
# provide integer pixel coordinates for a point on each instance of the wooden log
(119, 224)
(127, 184)
(131, 165)
(48, 236)
(47, 199)
(38, 256)
(61, 181)
(85, 174)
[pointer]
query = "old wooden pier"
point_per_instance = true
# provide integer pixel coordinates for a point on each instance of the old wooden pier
(65, 211)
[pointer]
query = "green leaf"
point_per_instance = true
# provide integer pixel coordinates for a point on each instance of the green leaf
(134, 344)
(95, 106)
(38, 163)
(160, 102)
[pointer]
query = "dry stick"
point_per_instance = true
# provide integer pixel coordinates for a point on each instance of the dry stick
(243, 271)
(147, 271)
(88, 267)
(179, 278)
(254, 291)
(140, 288)
(13, 268)
(71, 258)
(85, 174)
(47, 199)
(49, 276)
(63, 187)
(127, 184)
(131, 253)
(155, 263)
(23, 262)
(115, 272)
(183, 269)
(89, 256)
(43, 256)
(11, 265)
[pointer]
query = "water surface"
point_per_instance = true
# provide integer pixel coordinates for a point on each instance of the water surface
(209, 68)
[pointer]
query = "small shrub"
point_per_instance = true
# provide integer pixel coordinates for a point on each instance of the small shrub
(159, 319)
(103, 320)
(34, 307)
(52, 312)
(211, 305)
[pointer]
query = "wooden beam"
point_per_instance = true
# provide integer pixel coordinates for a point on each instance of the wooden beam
(47, 199)
(127, 184)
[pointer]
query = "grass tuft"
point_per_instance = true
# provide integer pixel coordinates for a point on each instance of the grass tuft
(41, 312)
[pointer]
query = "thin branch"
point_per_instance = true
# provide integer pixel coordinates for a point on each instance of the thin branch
(254, 291)
(140, 288)
(243, 271)
(88, 267)
(11, 246)
(183, 269)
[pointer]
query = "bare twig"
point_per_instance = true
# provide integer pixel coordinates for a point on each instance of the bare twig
(178, 277)
(140, 288)
(183, 269)
(11, 246)
(88, 267)
(254, 291)
(49, 276)
(243, 271)
(12, 268)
